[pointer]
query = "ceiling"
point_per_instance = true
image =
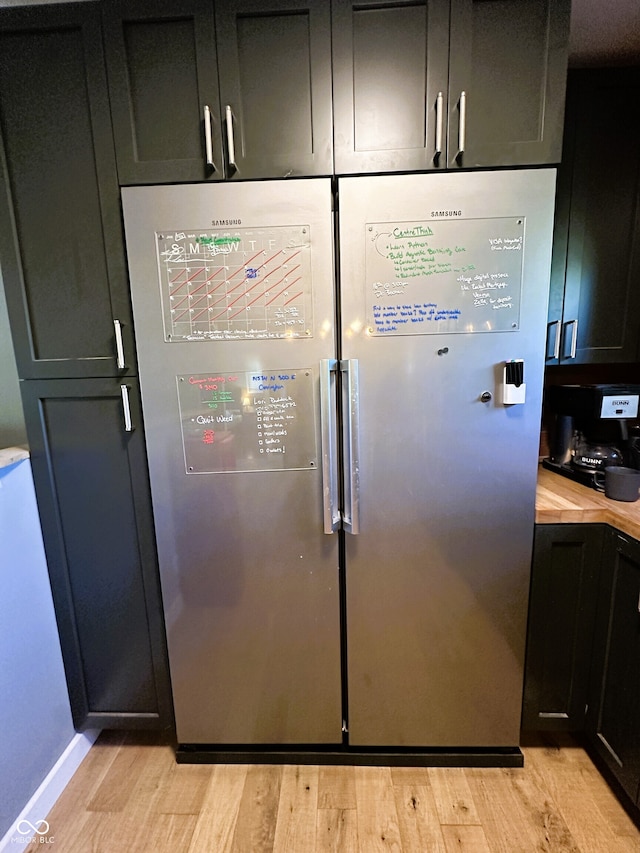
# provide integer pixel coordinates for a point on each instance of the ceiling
(604, 32)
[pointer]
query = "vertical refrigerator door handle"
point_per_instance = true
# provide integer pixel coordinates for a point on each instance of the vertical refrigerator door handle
(438, 150)
(120, 362)
(208, 143)
(351, 410)
(231, 147)
(462, 127)
(331, 514)
(126, 408)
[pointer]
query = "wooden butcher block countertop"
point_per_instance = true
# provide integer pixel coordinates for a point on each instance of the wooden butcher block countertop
(560, 500)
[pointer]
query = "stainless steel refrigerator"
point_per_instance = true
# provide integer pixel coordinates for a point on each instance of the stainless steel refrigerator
(341, 388)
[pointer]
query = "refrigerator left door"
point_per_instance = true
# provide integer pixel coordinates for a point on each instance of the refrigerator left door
(232, 289)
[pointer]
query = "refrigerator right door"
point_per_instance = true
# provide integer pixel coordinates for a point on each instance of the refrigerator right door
(443, 281)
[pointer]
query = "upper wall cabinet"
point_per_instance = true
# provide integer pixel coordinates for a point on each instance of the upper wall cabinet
(244, 95)
(60, 235)
(594, 302)
(437, 84)
(275, 86)
(163, 83)
(390, 70)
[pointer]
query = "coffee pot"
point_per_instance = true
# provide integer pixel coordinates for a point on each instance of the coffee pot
(595, 427)
(588, 456)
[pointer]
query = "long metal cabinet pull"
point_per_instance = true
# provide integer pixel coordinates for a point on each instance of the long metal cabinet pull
(330, 511)
(574, 337)
(555, 324)
(231, 148)
(208, 141)
(438, 150)
(351, 411)
(126, 408)
(120, 362)
(462, 127)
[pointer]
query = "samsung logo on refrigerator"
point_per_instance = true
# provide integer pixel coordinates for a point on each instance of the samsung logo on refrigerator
(439, 214)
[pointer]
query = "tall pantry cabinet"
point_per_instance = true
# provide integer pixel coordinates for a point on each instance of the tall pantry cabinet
(64, 275)
(94, 96)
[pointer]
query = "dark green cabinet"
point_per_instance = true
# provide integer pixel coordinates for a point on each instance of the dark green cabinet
(242, 94)
(439, 84)
(242, 89)
(61, 245)
(509, 57)
(562, 606)
(163, 71)
(390, 63)
(613, 722)
(594, 305)
(64, 276)
(275, 86)
(93, 497)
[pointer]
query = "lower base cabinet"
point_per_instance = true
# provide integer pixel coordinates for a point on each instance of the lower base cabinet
(613, 720)
(562, 607)
(92, 488)
(583, 645)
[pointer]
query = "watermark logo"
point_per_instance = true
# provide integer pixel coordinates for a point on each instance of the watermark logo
(25, 827)
(32, 833)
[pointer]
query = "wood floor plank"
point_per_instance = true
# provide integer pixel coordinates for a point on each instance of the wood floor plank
(465, 838)
(255, 827)
(184, 788)
(552, 762)
(410, 776)
(337, 788)
(145, 797)
(116, 788)
(420, 829)
(110, 831)
(337, 831)
(378, 828)
(517, 815)
(218, 816)
(579, 792)
(129, 794)
(452, 796)
(86, 780)
(68, 827)
(297, 809)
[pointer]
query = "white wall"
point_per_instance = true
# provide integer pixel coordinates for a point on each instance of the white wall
(35, 717)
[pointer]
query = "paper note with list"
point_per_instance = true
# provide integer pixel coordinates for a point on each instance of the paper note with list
(443, 276)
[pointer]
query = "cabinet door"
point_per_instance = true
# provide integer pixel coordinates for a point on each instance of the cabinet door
(509, 58)
(562, 604)
(275, 86)
(614, 713)
(162, 67)
(389, 65)
(601, 314)
(92, 489)
(60, 232)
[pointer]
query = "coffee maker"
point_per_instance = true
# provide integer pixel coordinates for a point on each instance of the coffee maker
(595, 426)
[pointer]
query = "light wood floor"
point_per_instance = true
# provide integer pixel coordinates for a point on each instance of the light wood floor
(130, 795)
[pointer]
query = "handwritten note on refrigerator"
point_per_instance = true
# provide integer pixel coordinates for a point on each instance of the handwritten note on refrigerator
(452, 275)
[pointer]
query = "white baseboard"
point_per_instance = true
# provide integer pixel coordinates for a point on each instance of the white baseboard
(41, 803)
